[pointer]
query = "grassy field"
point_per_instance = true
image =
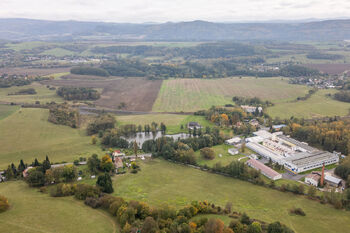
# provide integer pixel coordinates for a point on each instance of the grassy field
(26, 134)
(195, 94)
(224, 160)
(172, 121)
(317, 106)
(34, 212)
(161, 182)
(43, 94)
(7, 110)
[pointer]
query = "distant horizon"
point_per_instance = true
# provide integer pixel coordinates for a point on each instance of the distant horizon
(160, 11)
(305, 20)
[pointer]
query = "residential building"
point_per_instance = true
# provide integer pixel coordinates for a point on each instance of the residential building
(192, 125)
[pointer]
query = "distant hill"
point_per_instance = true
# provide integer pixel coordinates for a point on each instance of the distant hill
(28, 29)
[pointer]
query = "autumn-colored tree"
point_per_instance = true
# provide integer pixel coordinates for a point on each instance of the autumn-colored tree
(106, 163)
(207, 153)
(93, 140)
(214, 226)
(4, 204)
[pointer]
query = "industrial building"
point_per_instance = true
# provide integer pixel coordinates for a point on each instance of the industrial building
(265, 170)
(296, 156)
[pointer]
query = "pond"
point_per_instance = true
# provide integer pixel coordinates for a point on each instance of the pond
(141, 137)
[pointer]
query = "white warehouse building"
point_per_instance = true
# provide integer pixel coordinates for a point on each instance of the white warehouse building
(296, 156)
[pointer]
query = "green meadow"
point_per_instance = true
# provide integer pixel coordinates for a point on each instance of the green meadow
(318, 105)
(27, 134)
(161, 182)
(34, 212)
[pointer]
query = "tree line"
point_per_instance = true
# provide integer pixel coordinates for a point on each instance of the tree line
(78, 93)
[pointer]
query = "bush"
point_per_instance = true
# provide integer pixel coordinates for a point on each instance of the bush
(4, 204)
(84, 190)
(115, 205)
(207, 153)
(92, 202)
(297, 211)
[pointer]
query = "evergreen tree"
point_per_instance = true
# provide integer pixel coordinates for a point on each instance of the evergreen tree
(14, 170)
(105, 183)
(21, 166)
(9, 173)
(36, 163)
(46, 164)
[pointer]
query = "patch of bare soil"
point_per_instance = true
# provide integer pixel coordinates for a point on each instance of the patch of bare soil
(137, 94)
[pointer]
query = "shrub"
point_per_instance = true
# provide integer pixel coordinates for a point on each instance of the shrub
(297, 211)
(207, 153)
(4, 204)
(84, 190)
(92, 202)
(115, 205)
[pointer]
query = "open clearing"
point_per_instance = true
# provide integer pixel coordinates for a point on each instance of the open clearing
(173, 122)
(161, 182)
(226, 158)
(26, 134)
(190, 95)
(138, 94)
(35, 212)
(319, 105)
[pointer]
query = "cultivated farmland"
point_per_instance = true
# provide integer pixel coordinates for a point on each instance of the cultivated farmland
(32, 211)
(26, 134)
(161, 182)
(138, 94)
(194, 94)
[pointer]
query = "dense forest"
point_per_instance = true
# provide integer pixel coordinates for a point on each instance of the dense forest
(212, 69)
(78, 93)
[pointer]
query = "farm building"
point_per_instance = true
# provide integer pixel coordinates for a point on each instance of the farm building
(296, 156)
(233, 151)
(233, 141)
(192, 125)
(265, 170)
(312, 179)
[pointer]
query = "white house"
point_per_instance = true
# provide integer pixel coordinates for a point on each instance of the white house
(233, 151)
(233, 141)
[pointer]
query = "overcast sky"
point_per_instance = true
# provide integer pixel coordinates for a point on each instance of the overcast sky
(138, 11)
